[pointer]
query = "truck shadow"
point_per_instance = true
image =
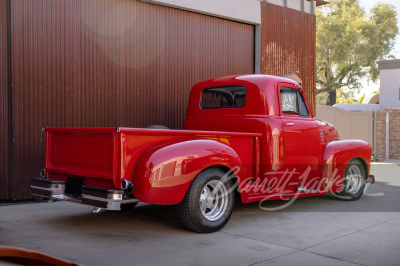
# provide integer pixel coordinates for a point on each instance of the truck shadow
(152, 220)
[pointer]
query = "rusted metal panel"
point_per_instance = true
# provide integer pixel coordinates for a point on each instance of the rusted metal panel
(4, 100)
(288, 44)
(107, 63)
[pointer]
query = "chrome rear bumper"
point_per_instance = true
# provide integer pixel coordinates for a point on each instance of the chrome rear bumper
(104, 198)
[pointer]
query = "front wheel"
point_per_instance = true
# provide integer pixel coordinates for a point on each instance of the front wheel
(208, 203)
(353, 182)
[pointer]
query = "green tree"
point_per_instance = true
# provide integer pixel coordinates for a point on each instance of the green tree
(343, 97)
(349, 42)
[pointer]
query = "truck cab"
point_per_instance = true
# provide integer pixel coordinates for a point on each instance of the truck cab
(276, 107)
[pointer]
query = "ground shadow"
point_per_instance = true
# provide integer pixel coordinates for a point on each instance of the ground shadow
(162, 219)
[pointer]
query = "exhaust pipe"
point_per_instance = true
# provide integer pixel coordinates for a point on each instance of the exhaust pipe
(371, 179)
(126, 185)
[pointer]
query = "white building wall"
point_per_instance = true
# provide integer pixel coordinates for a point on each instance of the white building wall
(389, 96)
(353, 107)
(247, 11)
(300, 5)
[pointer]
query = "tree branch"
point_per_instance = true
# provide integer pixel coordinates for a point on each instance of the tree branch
(349, 78)
(323, 90)
(320, 82)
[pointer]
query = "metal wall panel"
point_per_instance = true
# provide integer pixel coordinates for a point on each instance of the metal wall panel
(288, 44)
(4, 99)
(97, 63)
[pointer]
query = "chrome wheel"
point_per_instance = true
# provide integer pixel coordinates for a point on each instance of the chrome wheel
(207, 205)
(213, 200)
(354, 179)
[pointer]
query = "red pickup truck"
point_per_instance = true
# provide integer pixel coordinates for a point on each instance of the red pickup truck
(252, 137)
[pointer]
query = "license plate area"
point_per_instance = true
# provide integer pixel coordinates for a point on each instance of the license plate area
(73, 188)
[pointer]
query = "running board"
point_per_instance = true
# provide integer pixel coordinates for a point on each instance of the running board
(304, 189)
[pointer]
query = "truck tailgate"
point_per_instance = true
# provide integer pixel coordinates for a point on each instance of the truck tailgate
(82, 152)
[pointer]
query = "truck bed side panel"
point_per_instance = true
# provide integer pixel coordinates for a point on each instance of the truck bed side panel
(134, 142)
(164, 173)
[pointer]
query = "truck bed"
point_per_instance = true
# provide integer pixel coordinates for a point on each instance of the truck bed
(105, 156)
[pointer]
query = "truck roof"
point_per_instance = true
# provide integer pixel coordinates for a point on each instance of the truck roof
(261, 95)
(257, 79)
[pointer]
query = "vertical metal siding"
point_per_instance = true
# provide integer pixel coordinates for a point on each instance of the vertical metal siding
(96, 63)
(288, 44)
(4, 100)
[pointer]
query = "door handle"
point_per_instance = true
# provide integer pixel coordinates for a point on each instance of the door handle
(289, 124)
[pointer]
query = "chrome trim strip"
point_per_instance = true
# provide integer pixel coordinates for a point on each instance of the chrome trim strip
(304, 189)
(99, 199)
(130, 201)
(64, 197)
(38, 195)
(43, 188)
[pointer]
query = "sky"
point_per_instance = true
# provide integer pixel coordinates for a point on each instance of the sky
(369, 87)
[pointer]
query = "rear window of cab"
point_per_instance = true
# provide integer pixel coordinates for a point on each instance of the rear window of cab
(223, 97)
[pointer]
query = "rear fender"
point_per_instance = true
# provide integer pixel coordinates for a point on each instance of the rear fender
(163, 174)
(337, 155)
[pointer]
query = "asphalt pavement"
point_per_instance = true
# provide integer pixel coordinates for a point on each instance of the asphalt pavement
(311, 231)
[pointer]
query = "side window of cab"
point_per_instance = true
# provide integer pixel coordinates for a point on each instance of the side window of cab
(293, 103)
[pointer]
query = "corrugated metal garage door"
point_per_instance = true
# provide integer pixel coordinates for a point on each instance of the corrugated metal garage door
(4, 101)
(288, 44)
(110, 63)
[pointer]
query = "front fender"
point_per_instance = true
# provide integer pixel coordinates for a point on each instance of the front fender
(163, 174)
(337, 155)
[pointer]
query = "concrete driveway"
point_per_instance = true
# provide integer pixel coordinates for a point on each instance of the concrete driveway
(312, 231)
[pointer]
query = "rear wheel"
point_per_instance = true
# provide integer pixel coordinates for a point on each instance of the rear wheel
(208, 203)
(353, 182)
